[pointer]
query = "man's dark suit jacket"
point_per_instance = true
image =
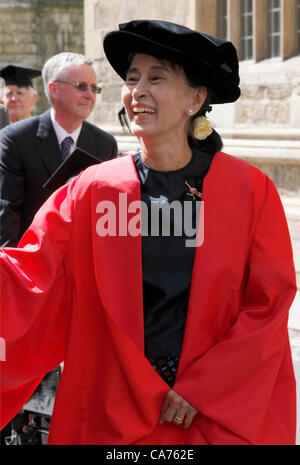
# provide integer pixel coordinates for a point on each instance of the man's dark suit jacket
(4, 117)
(29, 154)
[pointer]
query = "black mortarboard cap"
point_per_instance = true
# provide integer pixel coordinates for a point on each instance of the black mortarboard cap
(18, 76)
(78, 161)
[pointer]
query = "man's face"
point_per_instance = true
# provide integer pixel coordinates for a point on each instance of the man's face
(19, 101)
(70, 103)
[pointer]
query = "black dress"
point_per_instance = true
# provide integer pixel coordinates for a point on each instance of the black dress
(169, 219)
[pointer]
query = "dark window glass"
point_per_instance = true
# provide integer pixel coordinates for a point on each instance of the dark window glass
(273, 36)
(222, 19)
(246, 49)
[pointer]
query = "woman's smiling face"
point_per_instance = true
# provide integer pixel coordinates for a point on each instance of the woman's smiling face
(156, 97)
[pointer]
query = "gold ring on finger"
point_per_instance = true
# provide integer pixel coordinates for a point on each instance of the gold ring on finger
(177, 420)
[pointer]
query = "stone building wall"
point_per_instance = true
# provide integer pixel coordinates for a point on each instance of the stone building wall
(263, 126)
(33, 30)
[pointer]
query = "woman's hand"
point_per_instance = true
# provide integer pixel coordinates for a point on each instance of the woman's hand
(178, 410)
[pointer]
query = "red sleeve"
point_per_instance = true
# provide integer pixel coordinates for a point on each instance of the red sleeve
(243, 386)
(33, 301)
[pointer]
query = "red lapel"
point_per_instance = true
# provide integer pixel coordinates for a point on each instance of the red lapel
(118, 260)
(219, 262)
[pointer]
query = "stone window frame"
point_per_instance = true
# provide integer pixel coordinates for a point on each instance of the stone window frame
(206, 20)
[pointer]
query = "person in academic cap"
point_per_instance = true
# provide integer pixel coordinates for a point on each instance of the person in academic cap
(168, 337)
(19, 95)
(32, 150)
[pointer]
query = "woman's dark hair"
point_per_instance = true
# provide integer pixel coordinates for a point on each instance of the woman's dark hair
(212, 143)
(124, 120)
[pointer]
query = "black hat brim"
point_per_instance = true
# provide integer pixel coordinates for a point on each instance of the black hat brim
(18, 75)
(119, 45)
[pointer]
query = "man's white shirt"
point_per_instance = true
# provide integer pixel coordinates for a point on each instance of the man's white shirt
(61, 133)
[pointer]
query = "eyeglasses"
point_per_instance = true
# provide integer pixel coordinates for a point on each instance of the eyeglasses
(82, 86)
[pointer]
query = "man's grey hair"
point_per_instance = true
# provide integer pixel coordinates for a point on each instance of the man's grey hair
(57, 66)
(33, 91)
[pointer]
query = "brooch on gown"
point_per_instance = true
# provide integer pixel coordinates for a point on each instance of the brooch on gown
(193, 191)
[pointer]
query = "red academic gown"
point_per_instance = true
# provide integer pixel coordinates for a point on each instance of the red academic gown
(70, 295)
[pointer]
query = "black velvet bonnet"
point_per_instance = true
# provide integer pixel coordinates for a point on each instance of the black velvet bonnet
(214, 61)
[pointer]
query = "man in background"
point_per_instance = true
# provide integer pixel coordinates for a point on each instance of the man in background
(19, 95)
(33, 149)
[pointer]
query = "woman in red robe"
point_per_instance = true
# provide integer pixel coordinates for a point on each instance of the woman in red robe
(167, 336)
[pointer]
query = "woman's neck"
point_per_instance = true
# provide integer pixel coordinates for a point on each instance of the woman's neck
(165, 156)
